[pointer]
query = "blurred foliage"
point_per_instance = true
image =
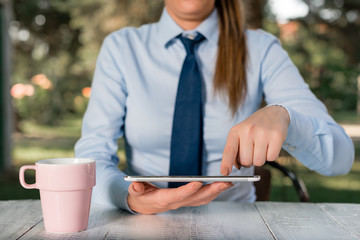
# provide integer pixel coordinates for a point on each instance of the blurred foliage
(324, 45)
(61, 40)
(321, 188)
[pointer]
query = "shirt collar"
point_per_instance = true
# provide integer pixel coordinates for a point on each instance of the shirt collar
(168, 28)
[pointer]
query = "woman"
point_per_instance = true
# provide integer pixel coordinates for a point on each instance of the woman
(134, 95)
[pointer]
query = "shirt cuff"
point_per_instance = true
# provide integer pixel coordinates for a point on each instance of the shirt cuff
(119, 191)
(300, 131)
(111, 189)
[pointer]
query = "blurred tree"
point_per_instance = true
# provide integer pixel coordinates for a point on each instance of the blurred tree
(43, 43)
(324, 46)
(96, 19)
(337, 21)
(5, 110)
(336, 26)
(57, 42)
(60, 41)
(254, 13)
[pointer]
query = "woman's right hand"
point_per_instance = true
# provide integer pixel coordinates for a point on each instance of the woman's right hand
(145, 198)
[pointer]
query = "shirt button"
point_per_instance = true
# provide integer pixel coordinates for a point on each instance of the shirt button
(286, 145)
(292, 148)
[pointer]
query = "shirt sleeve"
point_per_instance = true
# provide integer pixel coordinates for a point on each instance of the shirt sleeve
(314, 138)
(103, 125)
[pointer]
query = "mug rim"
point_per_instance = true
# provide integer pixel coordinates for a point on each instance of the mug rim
(65, 161)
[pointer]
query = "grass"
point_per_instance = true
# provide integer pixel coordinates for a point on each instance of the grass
(38, 142)
(345, 188)
(35, 143)
(41, 142)
(346, 117)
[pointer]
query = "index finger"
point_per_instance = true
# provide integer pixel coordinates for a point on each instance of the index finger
(230, 153)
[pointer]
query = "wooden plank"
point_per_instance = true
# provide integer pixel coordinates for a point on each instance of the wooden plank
(18, 217)
(347, 215)
(99, 224)
(218, 220)
(301, 221)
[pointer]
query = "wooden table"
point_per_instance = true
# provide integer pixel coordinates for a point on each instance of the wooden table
(218, 220)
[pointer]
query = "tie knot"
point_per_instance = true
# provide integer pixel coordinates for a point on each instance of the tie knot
(191, 43)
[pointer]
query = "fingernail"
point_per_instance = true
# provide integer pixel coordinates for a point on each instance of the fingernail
(225, 172)
(226, 186)
(133, 186)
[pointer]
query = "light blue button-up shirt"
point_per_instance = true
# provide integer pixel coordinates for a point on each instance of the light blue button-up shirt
(133, 96)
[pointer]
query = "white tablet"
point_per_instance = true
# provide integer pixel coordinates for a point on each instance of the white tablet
(192, 178)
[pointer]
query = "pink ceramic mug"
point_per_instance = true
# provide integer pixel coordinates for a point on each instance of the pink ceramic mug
(65, 186)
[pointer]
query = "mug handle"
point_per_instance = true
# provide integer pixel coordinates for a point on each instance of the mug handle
(22, 176)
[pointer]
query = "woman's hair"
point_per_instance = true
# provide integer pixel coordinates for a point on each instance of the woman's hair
(230, 71)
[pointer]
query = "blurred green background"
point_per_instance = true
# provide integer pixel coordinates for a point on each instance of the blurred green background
(54, 48)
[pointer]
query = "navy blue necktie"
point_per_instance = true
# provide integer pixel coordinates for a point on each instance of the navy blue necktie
(187, 129)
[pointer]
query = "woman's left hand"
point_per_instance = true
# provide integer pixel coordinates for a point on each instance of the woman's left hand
(256, 140)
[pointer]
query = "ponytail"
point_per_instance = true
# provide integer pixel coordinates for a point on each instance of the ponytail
(230, 71)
